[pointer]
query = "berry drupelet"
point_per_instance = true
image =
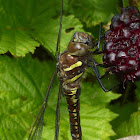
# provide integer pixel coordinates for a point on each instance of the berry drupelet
(122, 44)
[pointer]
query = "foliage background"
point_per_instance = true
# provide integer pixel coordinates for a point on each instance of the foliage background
(28, 35)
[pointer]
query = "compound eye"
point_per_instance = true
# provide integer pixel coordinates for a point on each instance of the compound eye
(80, 37)
(87, 43)
(76, 37)
(80, 44)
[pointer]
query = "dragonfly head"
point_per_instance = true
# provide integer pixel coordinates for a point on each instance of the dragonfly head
(80, 44)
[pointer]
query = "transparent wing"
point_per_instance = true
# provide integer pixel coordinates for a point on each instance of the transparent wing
(57, 53)
(59, 33)
(58, 113)
(37, 128)
(36, 131)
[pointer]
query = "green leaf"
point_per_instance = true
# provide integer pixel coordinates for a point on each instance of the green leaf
(23, 83)
(131, 127)
(17, 42)
(127, 124)
(24, 25)
(95, 117)
(93, 12)
(14, 33)
(134, 123)
(120, 124)
(47, 32)
(138, 5)
(125, 3)
(138, 91)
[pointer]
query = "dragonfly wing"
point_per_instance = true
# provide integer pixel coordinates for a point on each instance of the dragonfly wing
(57, 53)
(36, 131)
(37, 128)
(58, 113)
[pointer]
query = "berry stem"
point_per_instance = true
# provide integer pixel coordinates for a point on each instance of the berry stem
(126, 93)
(130, 3)
(125, 3)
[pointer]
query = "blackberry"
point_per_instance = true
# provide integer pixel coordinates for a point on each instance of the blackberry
(122, 44)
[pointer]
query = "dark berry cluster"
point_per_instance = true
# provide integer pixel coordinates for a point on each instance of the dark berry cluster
(122, 44)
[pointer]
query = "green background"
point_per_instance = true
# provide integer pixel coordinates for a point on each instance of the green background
(28, 36)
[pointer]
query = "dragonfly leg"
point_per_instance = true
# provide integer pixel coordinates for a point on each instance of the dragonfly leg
(98, 52)
(100, 82)
(97, 74)
(103, 75)
(99, 40)
(101, 65)
(96, 69)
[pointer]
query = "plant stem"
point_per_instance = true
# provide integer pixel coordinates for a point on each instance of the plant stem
(126, 93)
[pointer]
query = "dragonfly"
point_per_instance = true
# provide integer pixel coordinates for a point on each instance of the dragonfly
(71, 65)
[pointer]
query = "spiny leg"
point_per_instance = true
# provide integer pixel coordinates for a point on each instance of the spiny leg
(106, 73)
(98, 52)
(96, 68)
(97, 71)
(99, 40)
(101, 65)
(100, 82)
(110, 69)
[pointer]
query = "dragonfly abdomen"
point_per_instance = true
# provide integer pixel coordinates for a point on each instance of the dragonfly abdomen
(71, 70)
(74, 116)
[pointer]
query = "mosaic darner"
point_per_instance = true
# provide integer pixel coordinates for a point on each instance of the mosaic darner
(71, 66)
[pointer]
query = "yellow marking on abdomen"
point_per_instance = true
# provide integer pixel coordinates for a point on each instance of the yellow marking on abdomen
(76, 127)
(78, 64)
(73, 89)
(74, 78)
(73, 92)
(74, 114)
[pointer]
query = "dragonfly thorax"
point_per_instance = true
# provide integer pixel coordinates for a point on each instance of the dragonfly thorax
(80, 44)
(71, 67)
